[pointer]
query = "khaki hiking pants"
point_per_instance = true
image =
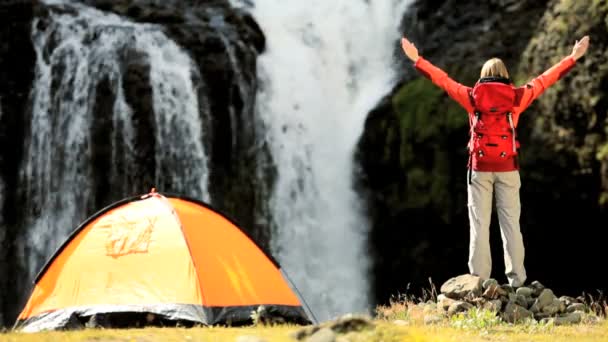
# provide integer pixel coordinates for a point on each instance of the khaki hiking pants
(505, 186)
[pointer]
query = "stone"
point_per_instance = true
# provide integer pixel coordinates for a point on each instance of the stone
(568, 300)
(545, 298)
(459, 307)
(571, 318)
(555, 307)
(534, 308)
(537, 288)
(576, 307)
(539, 316)
(323, 335)
(507, 288)
(489, 282)
(494, 291)
(514, 313)
(462, 286)
(305, 332)
(525, 291)
(444, 302)
(521, 301)
(349, 322)
(493, 305)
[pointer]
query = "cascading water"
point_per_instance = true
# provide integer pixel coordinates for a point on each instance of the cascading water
(327, 64)
(78, 47)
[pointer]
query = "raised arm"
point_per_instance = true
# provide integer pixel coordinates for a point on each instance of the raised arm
(533, 89)
(455, 90)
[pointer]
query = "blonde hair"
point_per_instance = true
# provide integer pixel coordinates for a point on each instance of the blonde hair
(494, 67)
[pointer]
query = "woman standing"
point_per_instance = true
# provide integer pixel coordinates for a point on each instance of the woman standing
(494, 106)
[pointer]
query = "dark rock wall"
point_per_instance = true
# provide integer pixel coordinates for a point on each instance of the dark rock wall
(17, 59)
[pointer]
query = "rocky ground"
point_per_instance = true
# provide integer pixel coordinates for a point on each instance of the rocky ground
(512, 305)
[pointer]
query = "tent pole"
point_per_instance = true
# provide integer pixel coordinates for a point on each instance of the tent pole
(304, 303)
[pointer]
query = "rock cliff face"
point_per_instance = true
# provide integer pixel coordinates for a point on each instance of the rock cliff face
(413, 150)
(16, 72)
(224, 44)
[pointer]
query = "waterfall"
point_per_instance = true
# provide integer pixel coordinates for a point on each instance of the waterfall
(326, 65)
(78, 48)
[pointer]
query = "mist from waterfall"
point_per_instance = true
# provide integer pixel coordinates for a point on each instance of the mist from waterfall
(77, 48)
(327, 64)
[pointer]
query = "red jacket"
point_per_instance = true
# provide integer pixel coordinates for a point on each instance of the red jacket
(524, 96)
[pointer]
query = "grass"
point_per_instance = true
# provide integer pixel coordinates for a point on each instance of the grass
(402, 320)
(384, 331)
(484, 325)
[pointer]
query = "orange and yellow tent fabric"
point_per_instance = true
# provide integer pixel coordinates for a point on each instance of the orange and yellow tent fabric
(169, 256)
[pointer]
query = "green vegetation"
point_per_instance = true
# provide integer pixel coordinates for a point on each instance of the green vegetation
(477, 319)
(427, 122)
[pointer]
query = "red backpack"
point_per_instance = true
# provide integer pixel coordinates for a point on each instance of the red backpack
(492, 138)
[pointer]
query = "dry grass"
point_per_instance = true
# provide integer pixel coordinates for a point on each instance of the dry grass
(402, 320)
(385, 331)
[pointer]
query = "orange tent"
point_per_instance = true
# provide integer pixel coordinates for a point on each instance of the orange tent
(168, 259)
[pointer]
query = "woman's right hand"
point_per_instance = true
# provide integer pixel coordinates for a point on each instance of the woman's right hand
(410, 49)
(580, 47)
